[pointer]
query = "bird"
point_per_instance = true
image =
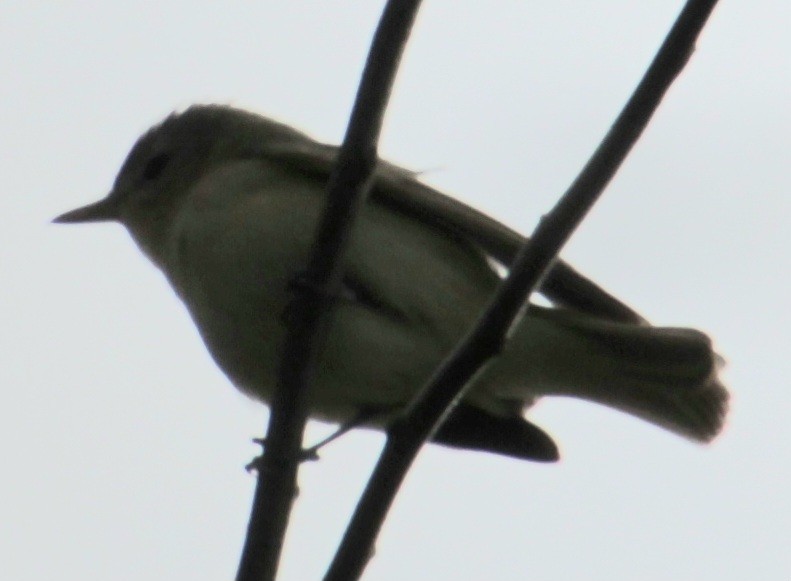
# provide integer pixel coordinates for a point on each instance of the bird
(225, 202)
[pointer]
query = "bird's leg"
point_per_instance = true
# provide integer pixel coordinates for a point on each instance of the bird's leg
(311, 453)
(361, 417)
(350, 290)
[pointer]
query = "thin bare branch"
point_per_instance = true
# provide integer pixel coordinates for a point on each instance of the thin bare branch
(347, 190)
(425, 414)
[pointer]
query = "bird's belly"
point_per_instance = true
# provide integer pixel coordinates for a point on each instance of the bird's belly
(368, 361)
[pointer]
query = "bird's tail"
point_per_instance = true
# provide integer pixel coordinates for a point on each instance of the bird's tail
(667, 376)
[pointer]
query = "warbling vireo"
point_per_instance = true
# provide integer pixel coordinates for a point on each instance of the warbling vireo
(225, 203)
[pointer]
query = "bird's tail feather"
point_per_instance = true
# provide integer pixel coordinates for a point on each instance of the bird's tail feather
(667, 376)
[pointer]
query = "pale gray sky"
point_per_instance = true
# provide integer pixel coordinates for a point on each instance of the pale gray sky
(123, 446)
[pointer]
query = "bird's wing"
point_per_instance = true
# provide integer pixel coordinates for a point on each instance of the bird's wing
(401, 190)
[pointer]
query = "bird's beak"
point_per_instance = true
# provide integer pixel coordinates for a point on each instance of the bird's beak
(105, 210)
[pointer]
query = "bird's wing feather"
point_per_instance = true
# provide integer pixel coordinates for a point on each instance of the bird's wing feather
(401, 190)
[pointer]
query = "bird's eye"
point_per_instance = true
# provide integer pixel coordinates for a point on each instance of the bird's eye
(155, 165)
